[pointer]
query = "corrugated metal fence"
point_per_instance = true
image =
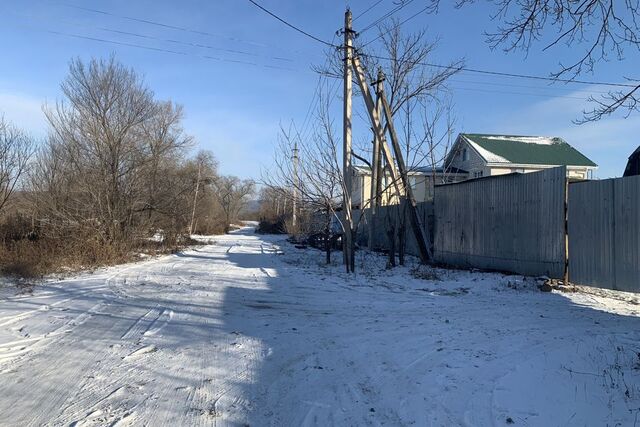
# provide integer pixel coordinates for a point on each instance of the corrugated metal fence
(387, 216)
(517, 223)
(604, 233)
(510, 223)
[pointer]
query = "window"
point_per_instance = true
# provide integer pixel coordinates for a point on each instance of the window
(478, 174)
(412, 182)
(465, 155)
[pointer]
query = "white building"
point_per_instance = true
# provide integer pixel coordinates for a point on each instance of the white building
(486, 155)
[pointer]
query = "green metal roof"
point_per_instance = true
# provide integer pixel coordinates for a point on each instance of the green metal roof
(528, 150)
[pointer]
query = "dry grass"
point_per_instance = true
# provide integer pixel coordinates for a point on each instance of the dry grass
(35, 258)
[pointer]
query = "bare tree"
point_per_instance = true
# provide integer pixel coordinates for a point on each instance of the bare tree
(319, 181)
(99, 130)
(232, 194)
(606, 29)
(16, 148)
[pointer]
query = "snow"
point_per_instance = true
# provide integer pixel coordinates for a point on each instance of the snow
(249, 330)
(541, 140)
(486, 154)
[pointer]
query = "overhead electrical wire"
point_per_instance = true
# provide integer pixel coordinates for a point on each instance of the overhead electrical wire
(167, 26)
(157, 49)
(514, 75)
(401, 23)
(489, 83)
(542, 95)
(316, 97)
(301, 31)
(385, 16)
(166, 40)
(368, 9)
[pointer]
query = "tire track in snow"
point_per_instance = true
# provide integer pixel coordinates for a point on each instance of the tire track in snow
(12, 352)
(23, 404)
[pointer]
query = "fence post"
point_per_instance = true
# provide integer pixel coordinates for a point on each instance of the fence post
(566, 231)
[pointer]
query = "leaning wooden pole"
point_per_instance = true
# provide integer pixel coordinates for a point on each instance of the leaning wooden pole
(418, 228)
(377, 125)
(375, 171)
(347, 175)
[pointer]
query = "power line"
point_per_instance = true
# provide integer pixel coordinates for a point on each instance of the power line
(301, 31)
(163, 25)
(162, 50)
(476, 82)
(315, 97)
(401, 23)
(197, 45)
(368, 9)
(178, 42)
(543, 95)
(514, 75)
(386, 15)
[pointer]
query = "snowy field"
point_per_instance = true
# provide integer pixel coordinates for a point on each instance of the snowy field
(249, 330)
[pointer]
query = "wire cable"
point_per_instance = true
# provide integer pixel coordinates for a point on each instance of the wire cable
(301, 31)
(514, 75)
(163, 25)
(368, 9)
(386, 15)
(162, 50)
(400, 24)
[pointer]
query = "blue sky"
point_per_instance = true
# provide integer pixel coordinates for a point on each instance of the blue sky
(262, 75)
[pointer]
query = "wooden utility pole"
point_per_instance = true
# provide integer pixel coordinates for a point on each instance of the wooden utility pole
(295, 185)
(377, 125)
(418, 229)
(195, 199)
(376, 164)
(414, 218)
(346, 148)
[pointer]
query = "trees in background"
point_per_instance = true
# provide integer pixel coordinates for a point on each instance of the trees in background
(16, 148)
(232, 195)
(114, 170)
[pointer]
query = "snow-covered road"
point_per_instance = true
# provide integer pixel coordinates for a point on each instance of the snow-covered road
(237, 333)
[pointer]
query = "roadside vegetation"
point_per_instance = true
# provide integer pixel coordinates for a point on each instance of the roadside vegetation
(115, 177)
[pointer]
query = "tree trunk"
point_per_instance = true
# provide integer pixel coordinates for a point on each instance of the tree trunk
(402, 231)
(391, 234)
(327, 244)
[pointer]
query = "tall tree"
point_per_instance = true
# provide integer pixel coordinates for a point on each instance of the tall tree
(16, 148)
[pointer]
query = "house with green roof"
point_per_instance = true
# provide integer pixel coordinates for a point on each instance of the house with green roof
(487, 155)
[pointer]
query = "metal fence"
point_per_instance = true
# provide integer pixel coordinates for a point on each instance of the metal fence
(517, 223)
(388, 217)
(604, 233)
(509, 223)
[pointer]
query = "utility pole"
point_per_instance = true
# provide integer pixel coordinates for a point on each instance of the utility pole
(376, 165)
(347, 244)
(295, 184)
(418, 228)
(403, 187)
(195, 199)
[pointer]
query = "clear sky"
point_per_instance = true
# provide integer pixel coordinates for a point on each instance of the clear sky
(239, 73)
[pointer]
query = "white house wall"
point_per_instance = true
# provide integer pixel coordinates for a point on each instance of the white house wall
(473, 163)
